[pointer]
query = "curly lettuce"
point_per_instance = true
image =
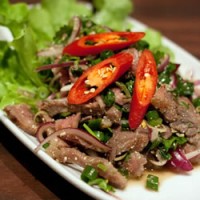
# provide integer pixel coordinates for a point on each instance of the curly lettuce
(33, 28)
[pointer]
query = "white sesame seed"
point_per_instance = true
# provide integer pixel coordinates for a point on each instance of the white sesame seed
(86, 92)
(146, 75)
(92, 90)
(87, 82)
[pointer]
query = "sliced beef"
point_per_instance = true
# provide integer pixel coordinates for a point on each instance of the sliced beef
(192, 145)
(181, 116)
(54, 107)
(123, 141)
(114, 114)
(135, 164)
(91, 108)
(23, 117)
(165, 102)
(178, 112)
(69, 122)
(188, 120)
(67, 155)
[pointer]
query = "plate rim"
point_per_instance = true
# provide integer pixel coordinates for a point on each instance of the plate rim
(65, 171)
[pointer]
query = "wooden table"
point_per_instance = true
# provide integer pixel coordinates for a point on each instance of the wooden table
(23, 175)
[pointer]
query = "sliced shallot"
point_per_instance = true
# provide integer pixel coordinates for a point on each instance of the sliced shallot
(54, 65)
(180, 161)
(58, 65)
(196, 89)
(75, 30)
(42, 129)
(163, 63)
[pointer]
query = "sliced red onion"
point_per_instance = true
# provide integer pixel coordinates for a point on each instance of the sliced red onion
(59, 65)
(163, 63)
(64, 133)
(75, 30)
(173, 82)
(196, 89)
(42, 129)
(54, 65)
(179, 161)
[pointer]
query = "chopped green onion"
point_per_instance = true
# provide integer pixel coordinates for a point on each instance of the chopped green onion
(125, 125)
(108, 98)
(102, 167)
(153, 118)
(95, 123)
(99, 135)
(96, 133)
(152, 182)
(89, 130)
(102, 184)
(89, 174)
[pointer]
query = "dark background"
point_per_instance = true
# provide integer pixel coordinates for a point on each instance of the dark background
(24, 176)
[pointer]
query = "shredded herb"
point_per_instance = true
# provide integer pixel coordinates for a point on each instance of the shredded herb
(108, 97)
(184, 87)
(165, 76)
(196, 102)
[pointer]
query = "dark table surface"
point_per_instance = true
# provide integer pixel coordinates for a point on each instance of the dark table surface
(23, 175)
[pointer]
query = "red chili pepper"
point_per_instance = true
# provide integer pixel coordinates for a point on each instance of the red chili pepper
(144, 88)
(95, 79)
(96, 43)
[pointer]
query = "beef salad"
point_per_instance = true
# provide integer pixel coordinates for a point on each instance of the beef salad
(116, 107)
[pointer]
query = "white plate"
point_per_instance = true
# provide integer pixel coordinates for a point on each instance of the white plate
(172, 187)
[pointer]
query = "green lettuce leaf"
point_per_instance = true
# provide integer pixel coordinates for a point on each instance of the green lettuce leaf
(113, 13)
